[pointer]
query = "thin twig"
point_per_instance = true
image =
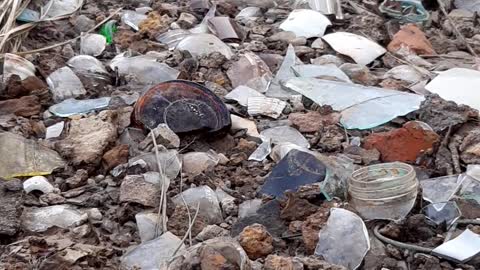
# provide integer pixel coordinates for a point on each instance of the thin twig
(457, 32)
(188, 231)
(161, 213)
(186, 205)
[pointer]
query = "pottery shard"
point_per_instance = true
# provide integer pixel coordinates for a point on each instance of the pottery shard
(24, 106)
(312, 121)
(256, 241)
(403, 144)
(88, 138)
(115, 156)
(412, 37)
(135, 189)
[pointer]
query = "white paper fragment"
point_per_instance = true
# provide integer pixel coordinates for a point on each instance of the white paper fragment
(461, 249)
(362, 50)
(306, 23)
(361, 107)
(270, 107)
(460, 85)
(344, 239)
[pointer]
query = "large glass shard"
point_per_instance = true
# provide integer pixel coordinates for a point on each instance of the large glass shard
(284, 73)
(461, 249)
(344, 239)
(441, 189)
(361, 49)
(361, 107)
(72, 106)
(284, 134)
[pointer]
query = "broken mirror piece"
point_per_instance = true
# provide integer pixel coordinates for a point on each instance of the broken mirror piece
(383, 191)
(361, 107)
(143, 69)
(27, 157)
(405, 10)
(466, 82)
(306, 23)
(284, 134)
(204, 44)
(92, 44)
(172, 37)
(329, 72)
(55, 130)
(206, 199)
(70, 107)
(442, 213)
(64, 84)
(242, 94)
(461, 249)
(184, 106)
(133, 19)
(16, 65)
(440, 189)
(361, 49)
(295, 170)
(41, 219)
(344, 239)
(39, 183)
(270, 107)
(226, 28)
(152, 254)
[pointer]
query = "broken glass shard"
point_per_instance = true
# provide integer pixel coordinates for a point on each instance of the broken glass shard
(72, 106)
(344, 239)
(442, 213)
(283, 134)
(306, 23)
(361, 107)
(204, 44)
(441, 189)
(321, 72)
(65, 84)
(461, 249)
(295, 170)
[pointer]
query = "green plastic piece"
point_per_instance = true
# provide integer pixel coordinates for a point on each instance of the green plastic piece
(108, 30)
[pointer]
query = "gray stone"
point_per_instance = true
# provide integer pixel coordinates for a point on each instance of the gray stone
(135, 189)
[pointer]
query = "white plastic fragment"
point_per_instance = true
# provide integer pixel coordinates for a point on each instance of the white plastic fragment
(64, 84)
(55, 130)
(306, 23)
(284, 73)
(362, 50)
(465, 83)
(204, 44)
(249, 14)
(92, 44)
(344, 239)
(461, 249)
(37, 183)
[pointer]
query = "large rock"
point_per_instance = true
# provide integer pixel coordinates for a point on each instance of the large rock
(135, 189)
(256, 241)
(24, 106)
(412, 37)
(88, 138)
(274, 262)
(403, 144)
(11, 207)
(115, 156)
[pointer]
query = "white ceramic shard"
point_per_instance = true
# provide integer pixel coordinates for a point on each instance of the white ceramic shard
(241, 94)
(461, 249)
(361, 49)
(306, 23)
(460, 85)
(37, 183)
(344, 239)
(204, 44)
(361, 107)
(64, 84)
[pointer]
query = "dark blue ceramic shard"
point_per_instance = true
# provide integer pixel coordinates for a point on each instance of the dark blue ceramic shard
(296, 169)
